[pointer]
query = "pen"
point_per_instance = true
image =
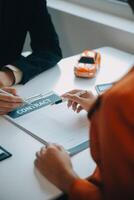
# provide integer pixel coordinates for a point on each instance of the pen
(38, 96)
(64, 99)
(9, 94)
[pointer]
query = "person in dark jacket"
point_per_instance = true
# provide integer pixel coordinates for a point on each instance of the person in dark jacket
(17, 18)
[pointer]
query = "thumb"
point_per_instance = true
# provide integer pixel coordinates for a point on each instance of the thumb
(10, 90)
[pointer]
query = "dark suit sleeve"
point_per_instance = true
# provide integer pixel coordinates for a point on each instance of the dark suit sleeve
(44, 43)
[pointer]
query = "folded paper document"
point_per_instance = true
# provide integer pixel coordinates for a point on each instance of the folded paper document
(52, 123)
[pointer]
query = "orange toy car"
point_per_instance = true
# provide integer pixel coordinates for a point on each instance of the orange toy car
(88, 64)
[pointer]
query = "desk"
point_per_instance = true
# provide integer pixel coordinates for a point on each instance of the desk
(18, 177)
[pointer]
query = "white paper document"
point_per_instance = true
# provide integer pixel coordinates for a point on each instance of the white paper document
(55, 124)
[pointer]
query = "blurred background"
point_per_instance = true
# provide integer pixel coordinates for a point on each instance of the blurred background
(89, 24)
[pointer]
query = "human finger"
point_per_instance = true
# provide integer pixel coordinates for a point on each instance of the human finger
(10, 90)
(5, 110)
(71, 92)
(43, 150)
(3, 113)
(74, 106)
(9, 106)
(38, 154)
(69, 103)
(58, 146)
(36, 162)
(8, 98)
(79, 109)
(54, 148)
(73, 98)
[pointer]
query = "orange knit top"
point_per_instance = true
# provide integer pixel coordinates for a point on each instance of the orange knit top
(112, 146)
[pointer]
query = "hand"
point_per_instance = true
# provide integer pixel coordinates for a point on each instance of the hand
(54, 163)
(79, 103)
(8, 103)
(6, 78)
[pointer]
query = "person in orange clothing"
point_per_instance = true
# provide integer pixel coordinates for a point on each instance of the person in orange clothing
(111, 145)
(112, 148)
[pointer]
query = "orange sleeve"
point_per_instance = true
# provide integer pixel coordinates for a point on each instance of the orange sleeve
(112, 146)
(83, 190)
(112, 139)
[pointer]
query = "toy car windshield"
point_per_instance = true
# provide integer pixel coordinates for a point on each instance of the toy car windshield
(87, 60)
